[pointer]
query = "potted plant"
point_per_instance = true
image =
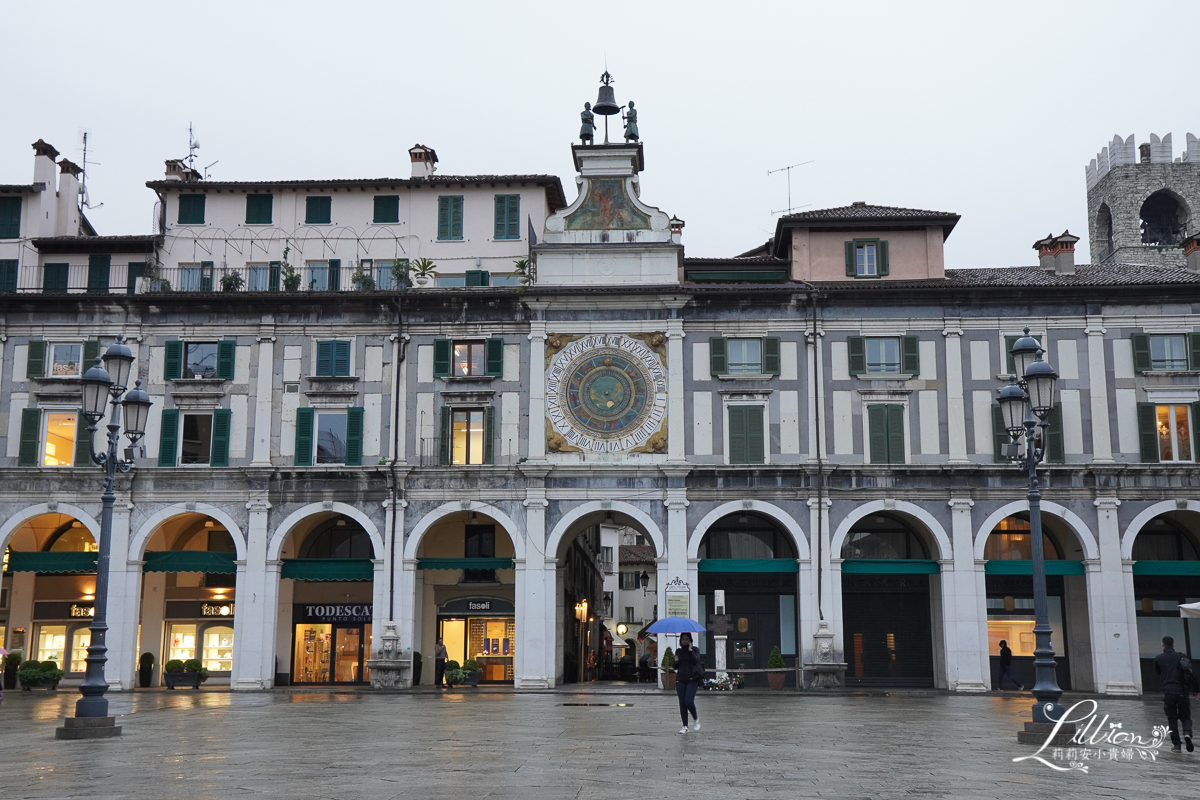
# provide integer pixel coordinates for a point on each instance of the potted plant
(472, 672)
(363, 281)
(668, 669)
(423, 271)
(400, 270)
(145, 670)
(232, 282)
(416, 668)
(775, 662)
(36, 674)
(288, 273)
(189, 674)
(155, 282)
(522, 271)
(11, 662)
(453, 673)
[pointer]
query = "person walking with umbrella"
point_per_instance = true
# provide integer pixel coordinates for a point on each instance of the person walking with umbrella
(689, 671)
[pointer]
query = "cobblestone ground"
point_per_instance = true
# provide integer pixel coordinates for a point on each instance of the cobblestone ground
(361, 746)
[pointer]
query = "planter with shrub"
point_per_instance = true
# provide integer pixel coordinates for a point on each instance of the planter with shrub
(188, 674)
(416, 668)
(472, 672)
(453, 674)
(145, 670)
(11, 662)
(668, 669)
(39, 674)
(775, 662)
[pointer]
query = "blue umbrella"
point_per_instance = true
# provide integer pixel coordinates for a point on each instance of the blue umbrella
(675, 625)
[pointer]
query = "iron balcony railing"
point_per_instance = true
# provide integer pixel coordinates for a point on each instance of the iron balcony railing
(132, 279)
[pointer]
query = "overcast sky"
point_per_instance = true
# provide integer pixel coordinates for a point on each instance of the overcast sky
(990, 110)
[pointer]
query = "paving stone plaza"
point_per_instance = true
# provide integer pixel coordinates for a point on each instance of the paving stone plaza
(492, 744)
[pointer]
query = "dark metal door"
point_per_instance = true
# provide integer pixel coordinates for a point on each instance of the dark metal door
(887, 630)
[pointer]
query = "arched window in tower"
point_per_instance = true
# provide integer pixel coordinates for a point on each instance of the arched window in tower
(1104, 231)
(1164, 219)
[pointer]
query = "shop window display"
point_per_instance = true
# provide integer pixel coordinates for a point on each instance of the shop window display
(52, 643)
(218, 649)
(81, 639)
(182, 642)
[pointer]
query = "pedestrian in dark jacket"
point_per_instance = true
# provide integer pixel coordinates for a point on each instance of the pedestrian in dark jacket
(1177, 683)
(1006, 666)
(689, 671)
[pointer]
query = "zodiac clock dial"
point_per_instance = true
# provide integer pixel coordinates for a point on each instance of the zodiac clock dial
(606, 393)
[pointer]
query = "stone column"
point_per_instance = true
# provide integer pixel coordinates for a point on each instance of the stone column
(676, 447)
(537, 385)
(677, 566)
(536, 592)
(1111, 611)
(816, 396)
(397, 446)
(956, 418)
(1098, 390)
(829, 599)
(124, 593)
(264, 395)
(964, 606)
(256, 599)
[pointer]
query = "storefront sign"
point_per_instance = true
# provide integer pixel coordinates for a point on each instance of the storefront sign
(63, 610)
(481, 606)
(197, 609)
(332, 612)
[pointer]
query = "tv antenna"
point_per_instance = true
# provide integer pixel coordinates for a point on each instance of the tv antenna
(84, 200)
(208, 174)
(193, 146)
(788, 169)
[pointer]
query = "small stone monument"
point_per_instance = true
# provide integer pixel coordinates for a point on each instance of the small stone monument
(826, 673)
(389, 670)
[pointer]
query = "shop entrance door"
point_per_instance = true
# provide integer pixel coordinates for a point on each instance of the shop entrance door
(348, 653)
(334, 653)
(887, 630)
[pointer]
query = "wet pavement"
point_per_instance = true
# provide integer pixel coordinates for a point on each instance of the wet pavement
(612, 742)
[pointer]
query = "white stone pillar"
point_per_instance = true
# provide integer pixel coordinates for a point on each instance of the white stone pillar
(151, 619)
(676, 424)
(256, 599)
(956, 418)
(816, 396)
(397, 445)
(823, 568)
(264, 395)
(124, 593)
(537, 386)
(964, 606)
(1098, 390)
(1111, 611)
(677, 562)
(534, 662)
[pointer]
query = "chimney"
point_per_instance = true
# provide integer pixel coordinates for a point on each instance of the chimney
(1191, 249)
(1144, 152)
(43, 220)
(424, 161)
(1045, 248)
(1057, 253)
(68, 199)
(178, 171)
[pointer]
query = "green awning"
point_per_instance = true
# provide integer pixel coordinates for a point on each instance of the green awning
(328, 569)
(1166, 567)
(1053, 567)
(748, 565)
(46, 563)
(890, 566)
(190, 561)
(464, 563)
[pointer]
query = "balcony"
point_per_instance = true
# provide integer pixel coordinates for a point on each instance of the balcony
(81, 279)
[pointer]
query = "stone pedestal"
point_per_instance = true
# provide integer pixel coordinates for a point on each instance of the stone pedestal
(389, 670)
(826, 673)
(88, 728)
(719, 652)
(1037, 733)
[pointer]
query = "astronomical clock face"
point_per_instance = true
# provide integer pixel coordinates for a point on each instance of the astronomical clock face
(606, 394)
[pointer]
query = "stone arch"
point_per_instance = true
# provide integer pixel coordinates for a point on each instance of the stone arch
(769, 510)
(1104, 229)
(559, 533)
(138, 542)
(284, 529)
(1163, 217)
(1139, 522)
(918, 513)
(515, 532)
(30, 512)
(1080, 528)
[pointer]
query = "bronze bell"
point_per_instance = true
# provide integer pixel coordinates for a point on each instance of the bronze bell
(606, 102)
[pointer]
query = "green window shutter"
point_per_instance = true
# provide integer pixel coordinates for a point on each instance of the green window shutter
(895, 433)
(191, 209)
(456, 217)
(770, 355)
(273, 272)
(910, 355)
(31, 435)
(755, 444)
(877, 433)
(856, 351)
(489, 435)
(304, 437)
(136, 270)
(8, 275)
(1010, 362)
(324, 358)
(444, 437)
(35, 363)
(341, 358)
(443, 230)
(206, 276)
(718, 361)
(495, 357)
(91, 349)
(1055, 452)
(83, 442)
(501, 216)
(55, 278)
(258, 209)
(354, 437)
(881, 259)
(441, 358)
(1000, 435)
(1141, 353)
(168, 437)
(221, 423)
(476, 277)
(226, 355)
(317, 210)
(514, 216)
(335, 274)
(851, 260)
(737, 435)
(1194, 433)
(173, 361)
(387, 209)
(1147, 415)
(99, 269)
(1193, 345)
(10, 217)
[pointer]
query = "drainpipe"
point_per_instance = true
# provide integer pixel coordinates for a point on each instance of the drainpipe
(813, 297)
(396, 454)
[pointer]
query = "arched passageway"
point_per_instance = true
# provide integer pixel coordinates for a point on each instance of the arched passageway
(1166, 573)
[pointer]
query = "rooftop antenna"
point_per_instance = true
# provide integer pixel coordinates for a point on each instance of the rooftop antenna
(84, 200)
(193, 146)
(208, 174)
(788, 169)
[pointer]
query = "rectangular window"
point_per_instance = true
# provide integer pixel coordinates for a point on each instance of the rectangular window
(258, 209)
(450, 218)
(470, 358)
(134, 274)
(191, 209)
(55, 278)
(59, 450)
(479, 541)
(218, 649)
(883, 355)
(885, 431)
(52, 643)
(888, 355)
(385, 272)
(467, 436)
(1168, 351)
(451, 280)
(99, 269)
(508, 216)
(181, 644)
(630, 580)
(81, 639)
(387, 209)
(8, 275)
(196, 445)
(866, 258)
(65, 360)
(331, 437)
(333, 359)
(260, 278)
(10, 217)
(318, 276)
(200, 360)
(318, 210)
(196, 277)
(629, 613)
(745, 356)
(1174, 433)
(746, 443)
(606, 559)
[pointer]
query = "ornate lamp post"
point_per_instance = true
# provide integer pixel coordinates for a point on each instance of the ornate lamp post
(102, 384)
(1025, 404)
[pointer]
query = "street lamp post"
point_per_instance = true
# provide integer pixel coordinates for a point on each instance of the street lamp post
(102, 385)
(1025, 404)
